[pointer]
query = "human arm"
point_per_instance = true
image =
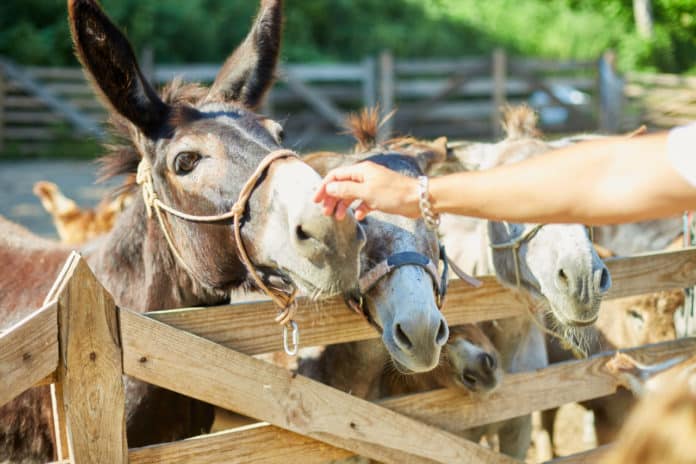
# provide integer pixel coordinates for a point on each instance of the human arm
(605, 181)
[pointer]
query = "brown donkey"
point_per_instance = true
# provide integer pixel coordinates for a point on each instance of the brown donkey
(76, 225)
(195, 151)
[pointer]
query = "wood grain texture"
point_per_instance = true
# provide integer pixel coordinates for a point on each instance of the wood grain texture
(588, 457)
(174, 359)
(519, 394)
(249, 327)
(28, 352)
(652, 272)
(254, 444)
(90, 371)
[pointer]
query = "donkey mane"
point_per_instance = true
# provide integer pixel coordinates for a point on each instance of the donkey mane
(365, 125)
(520, 122)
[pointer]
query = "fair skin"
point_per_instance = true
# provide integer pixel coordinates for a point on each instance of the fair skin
(607, 181)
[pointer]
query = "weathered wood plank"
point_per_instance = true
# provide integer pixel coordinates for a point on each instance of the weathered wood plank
(526, 392)
(81, 122)
(249, 327)
(499, 94)
(387, 94)
(28, 352)
(161, 355)
(651, 272)
(316, 100)
(90, 370)
(588, 457)
(253, 444)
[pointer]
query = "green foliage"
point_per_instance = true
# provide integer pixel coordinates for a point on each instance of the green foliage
(35, 31)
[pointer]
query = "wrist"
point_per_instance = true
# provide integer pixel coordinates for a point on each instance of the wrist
(411, 197)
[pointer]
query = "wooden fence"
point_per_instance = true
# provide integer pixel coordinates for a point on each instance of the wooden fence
(660, 100)
(83, 344)
(454, 97)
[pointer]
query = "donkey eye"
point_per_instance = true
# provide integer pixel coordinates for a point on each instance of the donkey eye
(185, 162)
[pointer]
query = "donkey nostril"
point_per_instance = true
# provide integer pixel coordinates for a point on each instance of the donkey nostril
(442, 334)
(488, 362)
(604, 280)
(301, 234)
(469, 378)
(401, 337)
(562, 279)
(562, 275)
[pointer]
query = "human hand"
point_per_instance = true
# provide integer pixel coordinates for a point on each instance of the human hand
(376, 187)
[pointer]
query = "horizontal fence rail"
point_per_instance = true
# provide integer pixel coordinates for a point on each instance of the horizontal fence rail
(249, 327)
(204, 353)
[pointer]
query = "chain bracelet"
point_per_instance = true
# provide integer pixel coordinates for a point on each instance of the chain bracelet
(431, 218)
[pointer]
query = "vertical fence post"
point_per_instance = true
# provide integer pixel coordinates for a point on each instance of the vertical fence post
(147, 63)
(499, 70)
(386, 89)
(369, 84)
(611, 94)
(3, 89)
(91, 369)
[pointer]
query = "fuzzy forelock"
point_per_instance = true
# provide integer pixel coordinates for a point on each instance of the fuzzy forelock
(123, 156)
(364, 127)
(520, 122)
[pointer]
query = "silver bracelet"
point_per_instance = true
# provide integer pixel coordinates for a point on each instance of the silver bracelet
(431, 218)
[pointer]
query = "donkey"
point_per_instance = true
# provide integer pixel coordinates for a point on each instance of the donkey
(469, 362)
(76, 225)
(401, 291)
(194, 150)
(623, 323)
(553, 267)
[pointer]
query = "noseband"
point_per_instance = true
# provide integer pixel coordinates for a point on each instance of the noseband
(516, 243)
(153, 203)
(370, 278)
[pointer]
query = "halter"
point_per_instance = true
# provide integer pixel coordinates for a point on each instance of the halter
(406, 258)
(516, 243)
(153, 203)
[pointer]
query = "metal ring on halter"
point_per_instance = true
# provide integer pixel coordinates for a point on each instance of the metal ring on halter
(295, 338)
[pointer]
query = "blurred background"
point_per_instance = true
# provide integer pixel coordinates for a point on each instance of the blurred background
(447, 66)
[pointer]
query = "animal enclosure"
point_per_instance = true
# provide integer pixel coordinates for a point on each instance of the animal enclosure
(82, 344)
(455, 97)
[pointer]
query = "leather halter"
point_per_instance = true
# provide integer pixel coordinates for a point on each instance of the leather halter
(405, 258)
(153, 203)
(516, 243)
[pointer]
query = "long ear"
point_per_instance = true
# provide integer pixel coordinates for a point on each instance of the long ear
(110, 63)
(249, 72)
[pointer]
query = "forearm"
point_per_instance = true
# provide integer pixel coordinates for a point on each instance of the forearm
(606, 181)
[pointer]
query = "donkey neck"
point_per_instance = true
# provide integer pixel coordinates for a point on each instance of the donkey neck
(136, 265)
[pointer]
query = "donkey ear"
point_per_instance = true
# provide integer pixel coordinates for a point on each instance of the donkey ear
(435, 153)
(110, 64)
(249, 72)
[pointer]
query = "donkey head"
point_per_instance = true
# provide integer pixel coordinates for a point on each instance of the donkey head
(557, 263)
(203, 144)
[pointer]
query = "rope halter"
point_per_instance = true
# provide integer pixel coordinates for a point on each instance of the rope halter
(153, 204)
(516, 243)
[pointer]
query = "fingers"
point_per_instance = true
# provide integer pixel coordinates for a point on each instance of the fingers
(346, 174)
(362, 211)
(341, 209)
